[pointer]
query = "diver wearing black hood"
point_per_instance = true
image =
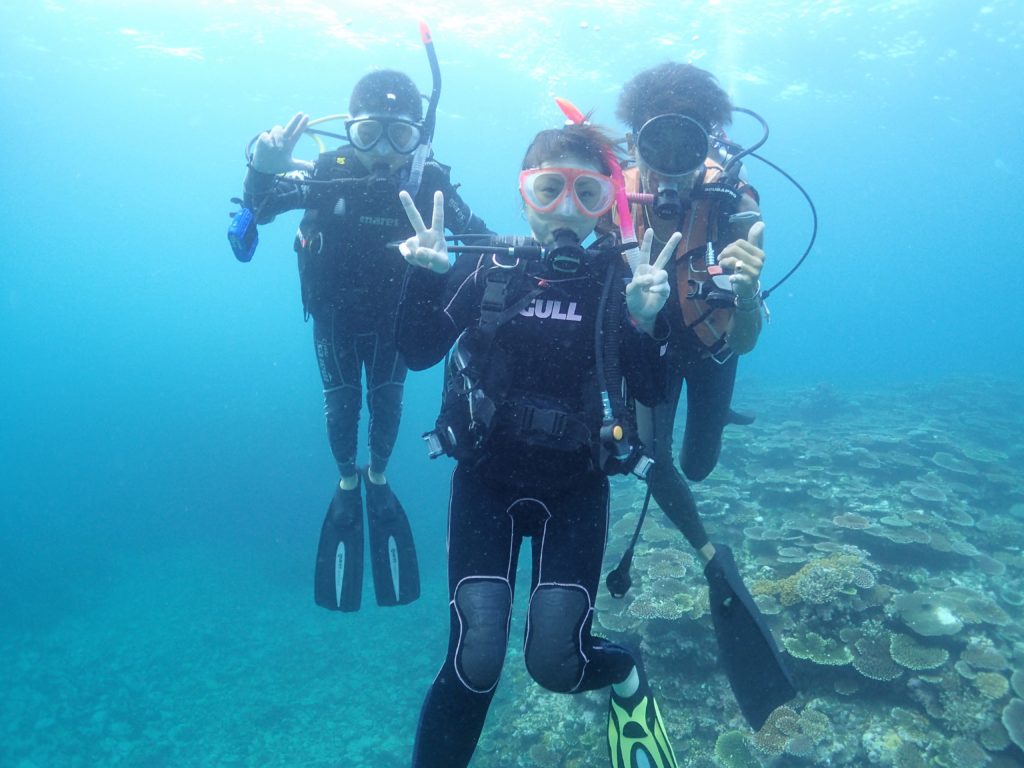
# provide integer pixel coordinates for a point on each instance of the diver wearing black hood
(689, 172)
(351, 283)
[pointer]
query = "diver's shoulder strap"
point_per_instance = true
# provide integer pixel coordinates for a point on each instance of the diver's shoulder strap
(500, 283)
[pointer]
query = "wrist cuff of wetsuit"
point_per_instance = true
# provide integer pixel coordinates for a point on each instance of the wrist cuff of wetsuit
(258, 181)
(257, 171)
(426, 281)
(660, 329)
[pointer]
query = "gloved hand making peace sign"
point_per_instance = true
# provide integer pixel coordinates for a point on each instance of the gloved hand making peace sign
(427, 248)
(273, 151)
(648, 291)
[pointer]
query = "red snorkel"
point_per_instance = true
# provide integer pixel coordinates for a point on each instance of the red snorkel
(626, 229)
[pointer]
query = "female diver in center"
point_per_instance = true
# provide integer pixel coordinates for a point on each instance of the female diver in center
(542, 337)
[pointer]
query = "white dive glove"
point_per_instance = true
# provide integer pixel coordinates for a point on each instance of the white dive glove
(273, 151)
(427, 248)
(648, 291)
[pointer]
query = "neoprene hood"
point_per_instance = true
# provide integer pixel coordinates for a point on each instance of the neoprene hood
(386, 92)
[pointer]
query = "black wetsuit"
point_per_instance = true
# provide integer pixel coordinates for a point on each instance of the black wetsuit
(521, 484)
(351, 285)
(709, 387)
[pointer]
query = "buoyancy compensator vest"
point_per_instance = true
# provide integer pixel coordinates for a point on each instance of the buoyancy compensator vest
(705, 294)
(478, 403)
(341, 242)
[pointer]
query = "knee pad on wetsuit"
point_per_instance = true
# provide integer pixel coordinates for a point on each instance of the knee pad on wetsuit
(554, 657)
(483, 607)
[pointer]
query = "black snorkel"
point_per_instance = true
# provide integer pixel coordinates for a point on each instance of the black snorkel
(435, 71)
(419, 158)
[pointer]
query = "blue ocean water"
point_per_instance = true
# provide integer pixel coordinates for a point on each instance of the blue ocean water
(164, 464)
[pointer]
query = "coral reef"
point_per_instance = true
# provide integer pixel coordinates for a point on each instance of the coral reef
(732, 750)
(882, 537)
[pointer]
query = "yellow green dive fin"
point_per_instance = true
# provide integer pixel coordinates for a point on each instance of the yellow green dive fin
(636, 734)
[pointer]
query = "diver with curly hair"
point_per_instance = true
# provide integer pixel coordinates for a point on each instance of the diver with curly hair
(687, 182)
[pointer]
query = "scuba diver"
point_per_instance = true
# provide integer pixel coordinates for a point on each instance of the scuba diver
(541, 335)
(687, 178)
(350, 286)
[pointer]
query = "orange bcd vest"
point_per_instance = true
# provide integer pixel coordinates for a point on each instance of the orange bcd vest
(699, 227)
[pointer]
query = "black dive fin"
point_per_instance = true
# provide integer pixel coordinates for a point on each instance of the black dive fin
(741, 419)
(396, 574)
(755, 667)
(338, 578)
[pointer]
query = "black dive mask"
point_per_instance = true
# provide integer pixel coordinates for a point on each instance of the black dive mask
(566, 255)
(672, 145)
